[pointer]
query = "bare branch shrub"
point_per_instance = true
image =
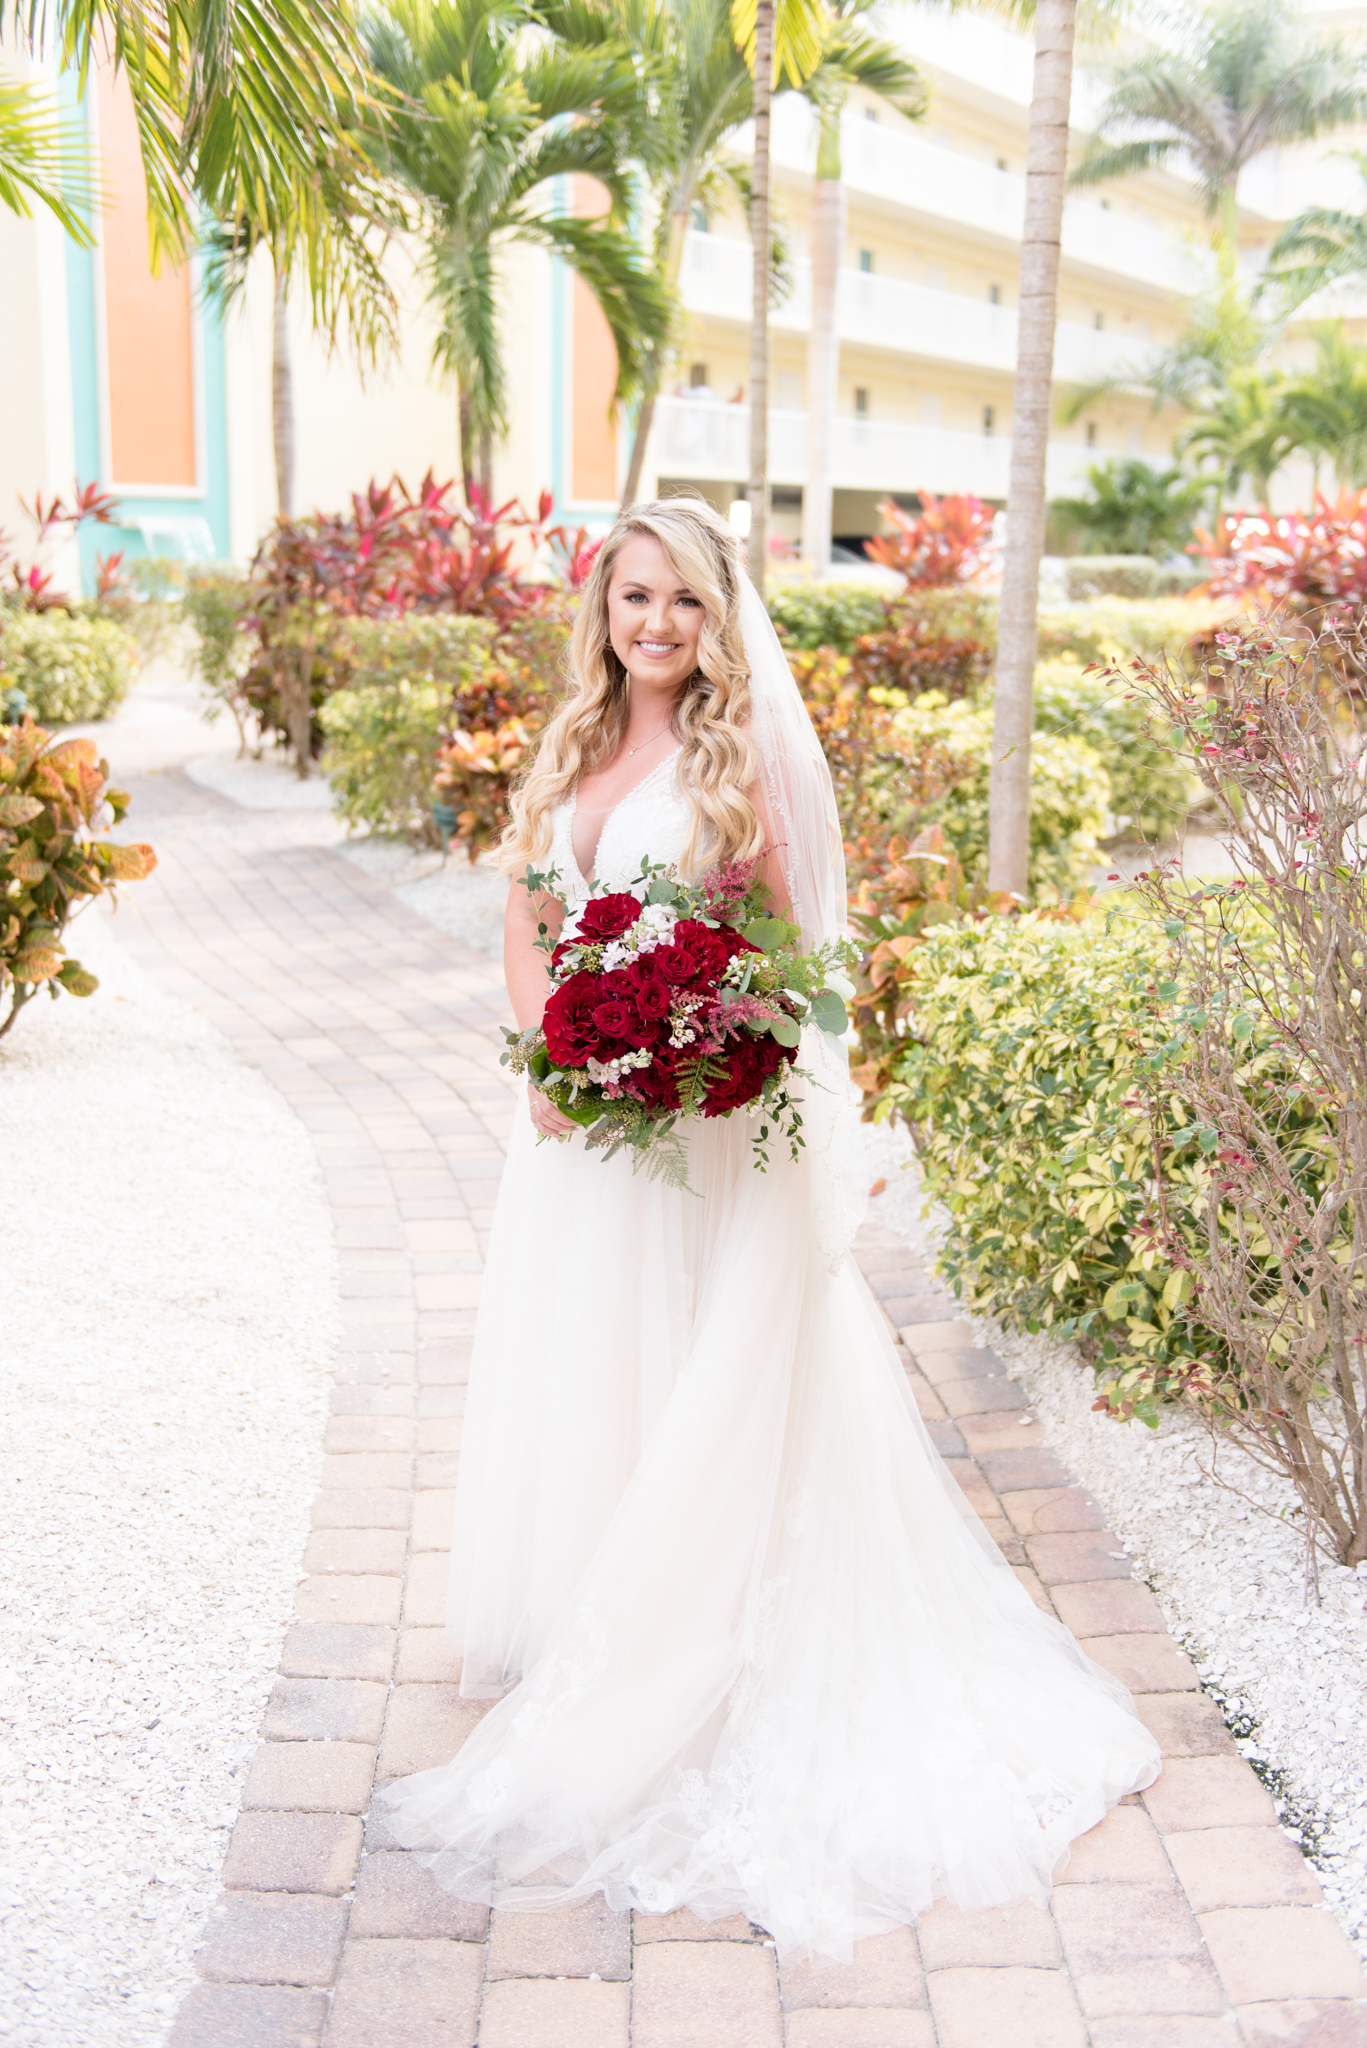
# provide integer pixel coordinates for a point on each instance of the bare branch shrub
(1267, 1051)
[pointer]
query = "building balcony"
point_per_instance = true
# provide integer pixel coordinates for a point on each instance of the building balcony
(699, 439)
(946, 188)
(892, 313)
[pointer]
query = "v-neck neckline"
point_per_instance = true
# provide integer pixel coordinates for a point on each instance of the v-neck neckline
(610, 813)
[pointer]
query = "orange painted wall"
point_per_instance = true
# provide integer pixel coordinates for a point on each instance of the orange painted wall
(593, 467)
(148, 333)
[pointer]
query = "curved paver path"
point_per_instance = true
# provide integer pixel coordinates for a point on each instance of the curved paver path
(1186, 1920)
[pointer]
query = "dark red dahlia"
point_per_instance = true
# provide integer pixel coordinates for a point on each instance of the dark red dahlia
(749, 1063)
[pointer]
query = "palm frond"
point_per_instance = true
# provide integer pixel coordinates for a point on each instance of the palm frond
(43, 159)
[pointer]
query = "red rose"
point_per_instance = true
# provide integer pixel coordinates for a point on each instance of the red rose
(607, 917)
(614, 1018)
(675, 963)
(709, 948)
(571, 1033)
(749, 1063)
(652, 999)
(657, 1085)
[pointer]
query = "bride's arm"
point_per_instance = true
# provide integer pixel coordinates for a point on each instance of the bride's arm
(525, 971)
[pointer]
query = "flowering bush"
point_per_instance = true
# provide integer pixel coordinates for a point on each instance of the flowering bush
(53, 798)
(67, 668)
(946, 543)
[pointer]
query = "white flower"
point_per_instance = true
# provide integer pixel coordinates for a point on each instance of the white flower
(654, 927)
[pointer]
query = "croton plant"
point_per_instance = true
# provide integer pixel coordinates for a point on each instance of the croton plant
(54, 798)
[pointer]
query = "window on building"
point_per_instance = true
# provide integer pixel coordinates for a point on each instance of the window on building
(697, 376)
(1098, 321)
(1002, 164)
(861, 402)
(866, 260)
(989, 419)
(1091, 433)
(700, 219)
(994, 295)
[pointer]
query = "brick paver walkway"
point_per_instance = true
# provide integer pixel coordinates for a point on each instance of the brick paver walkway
(1186, 1920)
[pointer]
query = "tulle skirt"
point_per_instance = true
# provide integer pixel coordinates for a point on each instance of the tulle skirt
(751, 1651)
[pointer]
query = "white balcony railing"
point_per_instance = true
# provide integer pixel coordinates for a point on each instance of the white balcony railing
(699, 438)
(892, 313)
(951, 189)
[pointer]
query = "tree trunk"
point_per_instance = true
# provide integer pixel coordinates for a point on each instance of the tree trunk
(1018, 629)
(645, 418)
(758, 492)
(467, 447)
(282, 400)
(486, 468)
(823, 359)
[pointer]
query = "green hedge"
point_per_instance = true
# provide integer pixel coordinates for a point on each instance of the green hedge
(70, 668)
(1070, 792)
(1125, 629)
(382, 732)
(1019, 1064)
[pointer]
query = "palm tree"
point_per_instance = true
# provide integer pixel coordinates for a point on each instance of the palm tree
(782, 42)
(1243, 76)
(697, 94)
(486, 113)
(1245, 430)
(1323, 246)
(1013, 715)
(850, 56)
(1324, 409)
(238, 104)
(42, 158)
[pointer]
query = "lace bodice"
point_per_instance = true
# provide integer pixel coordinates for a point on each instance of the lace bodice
(652, 821)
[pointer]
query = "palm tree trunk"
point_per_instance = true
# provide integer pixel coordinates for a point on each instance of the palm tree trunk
(1018, 630)
(645, 418)
(467, 447)
(486, 467)
(823, 347)
(282, 399)
(758, 492)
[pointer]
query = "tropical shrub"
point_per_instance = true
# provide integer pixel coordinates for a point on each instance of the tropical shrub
(395, 553)
(68, 668)
(812, 615)
(888, 780)
(946, 542)
(1123, 629)
(53, 797)
(1013, 1057)
(442, 708)
(383, 730)
(142, 594)
(1306, 561)
(1070, 792)
(1152, 789)
(218, 608)
(30, 584)
(1132, 510)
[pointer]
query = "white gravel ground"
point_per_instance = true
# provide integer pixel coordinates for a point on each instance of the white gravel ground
(169, 1317)
(1224, 1558)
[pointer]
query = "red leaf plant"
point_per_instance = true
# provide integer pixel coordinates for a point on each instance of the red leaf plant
(946, 544)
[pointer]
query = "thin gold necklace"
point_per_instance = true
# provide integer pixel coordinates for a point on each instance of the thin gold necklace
(647, 743)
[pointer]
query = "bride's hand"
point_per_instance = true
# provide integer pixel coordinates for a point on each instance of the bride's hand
(546, 1118)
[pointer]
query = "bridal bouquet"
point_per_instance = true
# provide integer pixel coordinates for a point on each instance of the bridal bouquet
(673, 1000)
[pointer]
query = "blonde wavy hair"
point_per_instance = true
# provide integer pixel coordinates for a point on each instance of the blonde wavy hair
(718, 765)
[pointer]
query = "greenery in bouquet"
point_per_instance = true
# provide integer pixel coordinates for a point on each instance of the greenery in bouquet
(673, 1000)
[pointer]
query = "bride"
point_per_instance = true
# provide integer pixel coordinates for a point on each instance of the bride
(750, 1649)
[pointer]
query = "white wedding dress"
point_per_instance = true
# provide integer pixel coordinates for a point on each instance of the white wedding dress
(751, 1650)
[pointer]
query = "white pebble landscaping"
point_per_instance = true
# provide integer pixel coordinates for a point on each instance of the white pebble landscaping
(1216, 1539)
(170, 1313)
